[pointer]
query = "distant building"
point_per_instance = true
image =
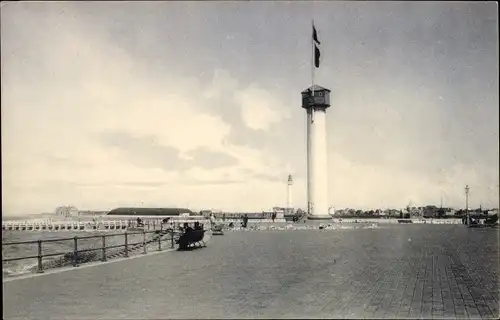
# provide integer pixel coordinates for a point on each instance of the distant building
(206, 213)
(492, 212)
(393, 212)
(150, 212)
(430, 211)
(280, 212)
(450, 212)
(340, 212)
(91, 213)
(67, 211)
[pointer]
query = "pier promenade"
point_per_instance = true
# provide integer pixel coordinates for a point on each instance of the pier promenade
(402, 271)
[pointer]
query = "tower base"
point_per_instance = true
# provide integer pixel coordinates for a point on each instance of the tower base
(319, 217)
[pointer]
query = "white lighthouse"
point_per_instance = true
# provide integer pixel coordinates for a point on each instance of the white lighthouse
(289, 194)
(316, 100)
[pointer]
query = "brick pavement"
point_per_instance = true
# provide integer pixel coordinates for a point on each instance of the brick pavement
(401, 271)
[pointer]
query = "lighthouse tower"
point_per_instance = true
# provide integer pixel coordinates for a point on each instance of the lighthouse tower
(316, 100)
(289, 195)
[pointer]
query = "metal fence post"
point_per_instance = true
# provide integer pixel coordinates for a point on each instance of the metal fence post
(172, 238)
(159, 242)
(103, 248)
(75, 252)
(40, 266)
(126, 245)
(144, 242)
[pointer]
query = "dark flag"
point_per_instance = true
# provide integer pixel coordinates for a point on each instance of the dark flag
(315, 35)
(317, 54)
(316, 43)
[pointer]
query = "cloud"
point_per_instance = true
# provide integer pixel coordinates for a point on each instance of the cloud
(255, 107)
(259, 108)
(205, 158)
(143, 151)
(223, 85)
(103, 131)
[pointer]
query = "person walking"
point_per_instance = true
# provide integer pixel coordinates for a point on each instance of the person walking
(245, 220)
(212, 221)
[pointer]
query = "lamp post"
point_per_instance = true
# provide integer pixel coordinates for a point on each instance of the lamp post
(467, 203)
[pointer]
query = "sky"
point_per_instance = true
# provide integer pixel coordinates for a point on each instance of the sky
(197, 104)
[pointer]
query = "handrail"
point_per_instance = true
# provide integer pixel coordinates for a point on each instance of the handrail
(103, 247)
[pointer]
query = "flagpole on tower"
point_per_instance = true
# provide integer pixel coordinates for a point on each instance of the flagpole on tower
(313, 64)
(310, 122)
(312, 57)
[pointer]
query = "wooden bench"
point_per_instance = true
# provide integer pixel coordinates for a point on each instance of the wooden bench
(191, 238)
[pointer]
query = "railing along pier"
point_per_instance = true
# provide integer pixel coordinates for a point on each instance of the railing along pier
(77, 254)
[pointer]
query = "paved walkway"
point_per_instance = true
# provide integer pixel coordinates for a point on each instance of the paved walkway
(402, 271)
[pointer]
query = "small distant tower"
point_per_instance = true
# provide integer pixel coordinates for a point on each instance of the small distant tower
(289, 195)
(316, 100)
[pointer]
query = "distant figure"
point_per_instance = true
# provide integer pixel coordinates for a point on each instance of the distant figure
(197, 226)
(273, 216)
(245, 220)
(187, 227)
(139, 221)
(212, 220)
(223, 217)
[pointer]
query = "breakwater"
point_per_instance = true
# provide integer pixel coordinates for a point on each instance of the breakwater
(96, 224)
